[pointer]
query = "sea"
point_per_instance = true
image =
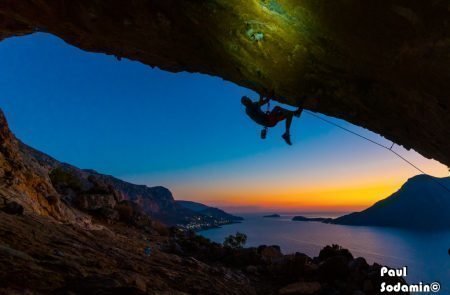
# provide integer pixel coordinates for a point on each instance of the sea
(424, 253)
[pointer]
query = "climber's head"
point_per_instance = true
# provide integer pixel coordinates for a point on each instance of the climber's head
(246, 101)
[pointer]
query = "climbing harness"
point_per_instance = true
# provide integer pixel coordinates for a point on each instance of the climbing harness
(380, 145)
(266, 129)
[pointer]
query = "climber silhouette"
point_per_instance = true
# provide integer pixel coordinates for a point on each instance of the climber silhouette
(270, 118)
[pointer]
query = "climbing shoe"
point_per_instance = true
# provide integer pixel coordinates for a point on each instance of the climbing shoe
(264, 133)
(287, 138)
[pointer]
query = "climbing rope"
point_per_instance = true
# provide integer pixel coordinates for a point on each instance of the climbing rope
(380, 145)
(266, 129)
(268, 106)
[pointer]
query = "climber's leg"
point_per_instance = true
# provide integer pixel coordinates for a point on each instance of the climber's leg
(278, 114)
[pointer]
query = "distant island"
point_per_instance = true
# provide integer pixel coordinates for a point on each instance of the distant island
(421, 203)
(316, 219)
(272, 216)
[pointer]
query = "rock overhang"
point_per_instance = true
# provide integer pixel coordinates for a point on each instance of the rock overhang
(382, 65)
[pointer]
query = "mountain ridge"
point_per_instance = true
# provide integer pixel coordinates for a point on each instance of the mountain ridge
(420, 203)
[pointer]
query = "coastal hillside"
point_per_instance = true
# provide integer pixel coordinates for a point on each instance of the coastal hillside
(421, 203)
(212, 212)
(66, 193)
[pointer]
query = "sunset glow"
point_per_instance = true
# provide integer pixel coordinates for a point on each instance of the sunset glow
(305, 180)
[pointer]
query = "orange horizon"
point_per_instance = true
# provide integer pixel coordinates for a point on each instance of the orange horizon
(343, 199)
(295, 180)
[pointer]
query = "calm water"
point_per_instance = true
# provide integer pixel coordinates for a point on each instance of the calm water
(425, 253)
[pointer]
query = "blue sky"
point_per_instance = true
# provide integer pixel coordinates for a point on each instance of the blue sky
(185, 131)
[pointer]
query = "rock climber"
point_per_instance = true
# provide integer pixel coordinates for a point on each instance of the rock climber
(270, 118)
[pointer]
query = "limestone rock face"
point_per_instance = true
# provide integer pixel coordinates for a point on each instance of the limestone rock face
(93, 201)
(383, 65)
(89, 190)
(24, 181)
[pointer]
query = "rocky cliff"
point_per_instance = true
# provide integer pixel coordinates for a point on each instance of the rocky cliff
(23, 179)
(383, 65)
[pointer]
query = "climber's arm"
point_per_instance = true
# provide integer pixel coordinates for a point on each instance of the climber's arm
(263, 100)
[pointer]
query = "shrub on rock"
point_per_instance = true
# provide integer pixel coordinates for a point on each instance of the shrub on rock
(334, 250)
(237, 241)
